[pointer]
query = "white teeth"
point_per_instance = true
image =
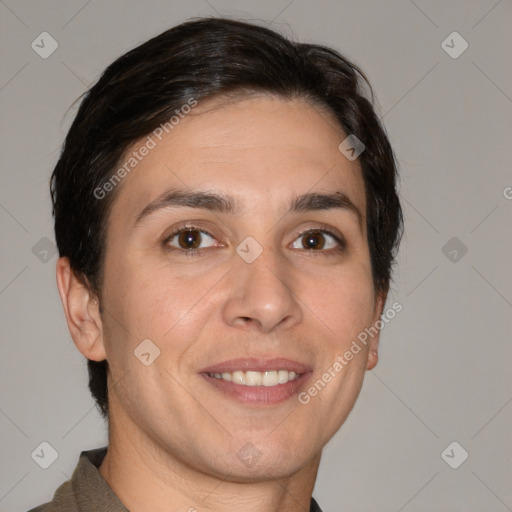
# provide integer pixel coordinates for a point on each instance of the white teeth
(252, 378)
(282, 376)
(238, 378)
(270, 379)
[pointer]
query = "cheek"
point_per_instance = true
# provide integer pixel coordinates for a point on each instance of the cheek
(152, 301)
(341, 304)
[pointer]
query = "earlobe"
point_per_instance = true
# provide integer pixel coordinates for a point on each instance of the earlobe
(82, 312)
(373, 359)
(373, 349)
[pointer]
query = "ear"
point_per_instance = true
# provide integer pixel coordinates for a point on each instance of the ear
(373, 344)
(81, 308)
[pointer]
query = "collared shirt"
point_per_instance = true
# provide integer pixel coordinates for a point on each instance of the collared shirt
(88, 491)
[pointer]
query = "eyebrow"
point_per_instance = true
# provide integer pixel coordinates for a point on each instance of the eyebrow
(221, 203)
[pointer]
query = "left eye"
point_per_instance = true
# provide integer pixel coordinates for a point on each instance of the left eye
(317, 239)
(190, 239)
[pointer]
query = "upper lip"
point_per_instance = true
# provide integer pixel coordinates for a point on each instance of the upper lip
(256, 364)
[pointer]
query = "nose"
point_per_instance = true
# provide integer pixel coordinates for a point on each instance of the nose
(261, 296)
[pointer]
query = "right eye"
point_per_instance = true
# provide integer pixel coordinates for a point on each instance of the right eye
(189, 239)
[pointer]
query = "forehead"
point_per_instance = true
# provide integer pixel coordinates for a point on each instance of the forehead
(261, 150)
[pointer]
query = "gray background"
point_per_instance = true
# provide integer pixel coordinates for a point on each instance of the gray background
(444, 371)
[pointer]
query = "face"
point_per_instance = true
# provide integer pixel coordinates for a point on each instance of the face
(248, 294)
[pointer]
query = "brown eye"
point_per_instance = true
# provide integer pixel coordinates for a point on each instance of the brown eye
(189, 239)
(313, 240)
(318, 240)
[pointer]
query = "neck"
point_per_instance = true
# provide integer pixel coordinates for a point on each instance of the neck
(145, 476)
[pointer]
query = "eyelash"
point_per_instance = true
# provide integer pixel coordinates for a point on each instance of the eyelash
(193, 252)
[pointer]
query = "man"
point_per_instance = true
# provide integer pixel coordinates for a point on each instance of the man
(227, 219)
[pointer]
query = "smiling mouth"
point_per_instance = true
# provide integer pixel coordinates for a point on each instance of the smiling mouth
(258, 381)
(254, 378)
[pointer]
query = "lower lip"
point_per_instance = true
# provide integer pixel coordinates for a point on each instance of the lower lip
(259, 395)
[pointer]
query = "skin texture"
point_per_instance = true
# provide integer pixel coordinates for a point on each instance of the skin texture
(173, 437)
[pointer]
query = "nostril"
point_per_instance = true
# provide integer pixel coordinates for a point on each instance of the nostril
(246, 320)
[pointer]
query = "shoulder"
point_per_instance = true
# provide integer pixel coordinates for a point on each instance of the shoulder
(63, 500)
(85, 490)
(47, 507)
